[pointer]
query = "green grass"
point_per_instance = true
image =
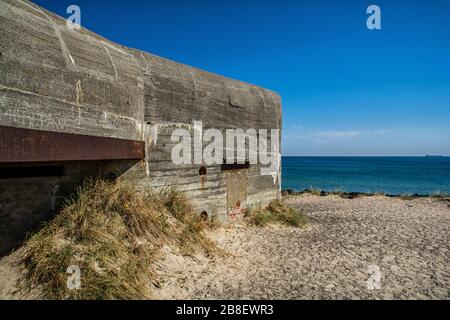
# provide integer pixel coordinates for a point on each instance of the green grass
(277, 212)
(114, 233)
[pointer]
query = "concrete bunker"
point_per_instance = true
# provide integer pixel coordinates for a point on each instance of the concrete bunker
(76, 105)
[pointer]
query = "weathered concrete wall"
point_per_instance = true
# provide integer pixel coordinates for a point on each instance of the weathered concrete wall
(74, 81)
(67, 81)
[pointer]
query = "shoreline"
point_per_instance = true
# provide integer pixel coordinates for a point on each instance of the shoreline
(355, 194)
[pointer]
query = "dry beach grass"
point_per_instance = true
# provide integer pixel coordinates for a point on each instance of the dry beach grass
(112, 232)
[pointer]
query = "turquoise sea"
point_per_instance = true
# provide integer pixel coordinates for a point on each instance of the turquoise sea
(393, 175)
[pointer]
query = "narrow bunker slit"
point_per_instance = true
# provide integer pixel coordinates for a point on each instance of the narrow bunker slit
(31, 172)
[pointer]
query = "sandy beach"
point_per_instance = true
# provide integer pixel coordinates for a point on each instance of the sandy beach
(408, 240)
(329, 259)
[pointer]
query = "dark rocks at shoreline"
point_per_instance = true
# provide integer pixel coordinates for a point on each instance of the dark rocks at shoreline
(352, 195)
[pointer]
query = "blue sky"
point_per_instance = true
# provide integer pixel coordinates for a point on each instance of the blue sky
(346, 90)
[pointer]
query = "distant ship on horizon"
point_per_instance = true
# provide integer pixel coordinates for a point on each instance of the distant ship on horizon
(434, 156)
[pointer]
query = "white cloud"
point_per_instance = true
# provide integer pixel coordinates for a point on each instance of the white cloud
(338, 134)
(383, 131)
(337, 137)
(330, 134)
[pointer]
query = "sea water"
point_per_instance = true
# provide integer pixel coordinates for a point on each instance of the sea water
(393, 175)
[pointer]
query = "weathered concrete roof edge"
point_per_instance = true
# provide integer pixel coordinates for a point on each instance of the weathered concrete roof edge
(130, 49)
(75, 81)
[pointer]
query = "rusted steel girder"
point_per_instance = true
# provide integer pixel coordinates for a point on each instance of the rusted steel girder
(28, 145)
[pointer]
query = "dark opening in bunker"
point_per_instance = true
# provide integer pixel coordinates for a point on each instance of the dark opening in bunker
(204, 215)
(31, 172)
(202, 171)
(234, 166)
(110, 177)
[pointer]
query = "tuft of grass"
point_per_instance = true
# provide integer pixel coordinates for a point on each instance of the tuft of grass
(113, 232)
(338, 192)
(277, 211)
(406, 196)
(437, 194)
(315, 191)
(191, 234)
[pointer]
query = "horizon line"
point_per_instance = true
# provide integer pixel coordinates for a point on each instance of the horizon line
(422, 156)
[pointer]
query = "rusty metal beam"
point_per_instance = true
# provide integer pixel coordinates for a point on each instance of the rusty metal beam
(27, 145)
